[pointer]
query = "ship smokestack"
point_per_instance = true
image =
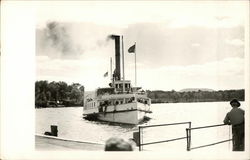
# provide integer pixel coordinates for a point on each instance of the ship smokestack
(117, 72)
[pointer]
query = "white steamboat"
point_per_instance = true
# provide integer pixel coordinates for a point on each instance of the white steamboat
(120, 102)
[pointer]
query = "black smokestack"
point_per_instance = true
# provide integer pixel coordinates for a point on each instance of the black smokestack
(117, 73)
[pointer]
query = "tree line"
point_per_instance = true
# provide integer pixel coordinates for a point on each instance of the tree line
(159, 96)
(56, 94)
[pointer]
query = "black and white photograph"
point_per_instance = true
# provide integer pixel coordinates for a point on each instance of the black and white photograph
(101, 78)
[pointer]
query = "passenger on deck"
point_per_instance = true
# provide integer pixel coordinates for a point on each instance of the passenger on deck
(236, 118)
(117, 144)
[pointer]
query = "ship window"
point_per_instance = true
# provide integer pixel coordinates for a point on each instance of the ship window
(116, 86)
(128, 100)
(120, 85)
(132, 98)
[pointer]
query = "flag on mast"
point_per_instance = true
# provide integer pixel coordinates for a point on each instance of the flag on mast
(106, 74)
(131, 49)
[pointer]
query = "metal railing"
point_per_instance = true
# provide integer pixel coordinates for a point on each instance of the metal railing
(188, 133)
(141, 144)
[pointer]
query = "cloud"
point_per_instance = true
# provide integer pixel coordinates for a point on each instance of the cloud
(122, 14)
(88, 71)
(207, 21)
(224, 74)
(159, 45)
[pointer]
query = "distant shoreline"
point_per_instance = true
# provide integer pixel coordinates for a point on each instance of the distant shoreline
(194, 102)
(195, 96)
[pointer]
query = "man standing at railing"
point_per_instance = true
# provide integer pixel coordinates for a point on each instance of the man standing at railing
(236, 118)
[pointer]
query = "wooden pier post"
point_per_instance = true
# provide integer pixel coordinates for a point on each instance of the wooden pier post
(54, 130)
(136, 138)
(140, 149)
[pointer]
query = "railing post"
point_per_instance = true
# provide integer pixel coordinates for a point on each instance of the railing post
(187, 133)
(187, 137)
(229, 134)
(139, 138)
(190, 137)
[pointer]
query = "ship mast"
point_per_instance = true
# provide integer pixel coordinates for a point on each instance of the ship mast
(111, 77)
(135, 66)
(123, 85)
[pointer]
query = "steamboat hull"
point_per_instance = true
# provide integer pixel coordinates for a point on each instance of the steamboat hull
(127, 117)
(132, 113)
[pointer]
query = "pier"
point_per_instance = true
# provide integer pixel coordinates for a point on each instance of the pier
(48, 143)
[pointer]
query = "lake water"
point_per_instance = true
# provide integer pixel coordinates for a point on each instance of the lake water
(71, 125)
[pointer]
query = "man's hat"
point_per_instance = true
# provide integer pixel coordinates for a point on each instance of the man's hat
(235, 101)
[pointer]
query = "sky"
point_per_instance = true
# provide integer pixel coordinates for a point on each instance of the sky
(193, 44)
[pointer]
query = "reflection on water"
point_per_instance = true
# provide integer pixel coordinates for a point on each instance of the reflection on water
(112, 124)
(72, 125)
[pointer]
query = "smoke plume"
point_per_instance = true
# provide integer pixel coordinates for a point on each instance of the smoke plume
(56, 41)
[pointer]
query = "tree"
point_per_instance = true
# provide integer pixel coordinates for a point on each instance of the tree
(62, 90)
(58, 91)
(54, 90)
(75, 94)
